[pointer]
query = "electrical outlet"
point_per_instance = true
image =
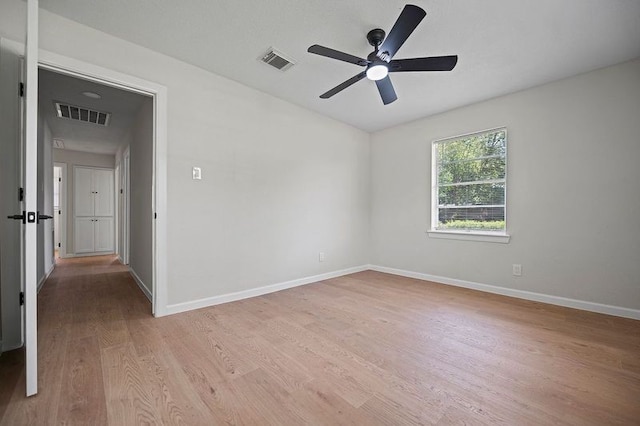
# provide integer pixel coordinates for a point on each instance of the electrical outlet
(517, 269)
(321, 256)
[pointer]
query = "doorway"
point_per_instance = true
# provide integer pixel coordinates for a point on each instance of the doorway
(136, 206)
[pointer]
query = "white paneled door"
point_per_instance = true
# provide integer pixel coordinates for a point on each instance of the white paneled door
(83, 185)
(103, 185)
(103, 234)
(94, 197)
(30, 172)
(84, 241)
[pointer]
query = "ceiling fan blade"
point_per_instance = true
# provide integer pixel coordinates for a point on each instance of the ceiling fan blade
(336, 54)
(408, 20)
(435, 63)
(340, 87)
(387, 92)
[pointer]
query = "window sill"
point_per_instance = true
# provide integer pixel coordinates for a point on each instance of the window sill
(470, 236)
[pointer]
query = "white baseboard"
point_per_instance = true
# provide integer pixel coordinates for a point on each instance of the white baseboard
(97, 253)
(253, 292)
(520, 294)
(143, 287)
(45, 276)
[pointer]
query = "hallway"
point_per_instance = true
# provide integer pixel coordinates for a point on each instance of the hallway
(86, 306)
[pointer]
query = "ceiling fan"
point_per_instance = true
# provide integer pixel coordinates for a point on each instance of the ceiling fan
(380, 62)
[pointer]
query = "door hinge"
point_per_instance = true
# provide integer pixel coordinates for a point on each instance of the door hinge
(21, 89)
(59, 211)
(59, 244)
(20, 194)
(21, 298)
(155, 215)
(59, 179)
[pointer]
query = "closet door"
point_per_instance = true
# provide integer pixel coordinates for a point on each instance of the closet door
(103, 233)
(83, 191)
(84, 235)
(103, 187)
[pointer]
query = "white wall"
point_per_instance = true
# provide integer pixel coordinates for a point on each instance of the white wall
(280, 183)
(141, 209)
(573, 191)
(77, 158)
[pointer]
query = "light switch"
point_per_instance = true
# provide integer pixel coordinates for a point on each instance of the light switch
(197, 173)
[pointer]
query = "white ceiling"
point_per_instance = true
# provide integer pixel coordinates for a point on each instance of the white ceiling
(503, 45)
(78, 136)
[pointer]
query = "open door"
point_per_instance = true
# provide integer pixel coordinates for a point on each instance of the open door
(31, 219)
(20, 65)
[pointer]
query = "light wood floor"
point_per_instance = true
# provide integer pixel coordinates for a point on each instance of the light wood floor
(365, 349)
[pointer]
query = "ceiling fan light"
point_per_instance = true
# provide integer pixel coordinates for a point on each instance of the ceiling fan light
(377, 72)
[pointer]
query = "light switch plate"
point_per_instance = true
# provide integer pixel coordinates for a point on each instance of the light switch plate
(197, 173)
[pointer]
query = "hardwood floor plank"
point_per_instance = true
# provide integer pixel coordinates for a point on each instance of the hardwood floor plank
(129, 397)
(84, 400)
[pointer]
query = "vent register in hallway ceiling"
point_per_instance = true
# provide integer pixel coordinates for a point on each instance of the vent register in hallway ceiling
(277, 60)
(84, 115)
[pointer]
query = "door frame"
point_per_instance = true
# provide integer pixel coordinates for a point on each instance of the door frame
(126, 204)
(116, 214)
(80, 69)
(62, 220)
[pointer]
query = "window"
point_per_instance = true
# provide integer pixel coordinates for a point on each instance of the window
(469, 184)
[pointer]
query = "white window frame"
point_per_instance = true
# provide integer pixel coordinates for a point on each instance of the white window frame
(467, 235)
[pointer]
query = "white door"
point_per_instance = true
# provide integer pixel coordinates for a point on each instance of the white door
(103, 192)
(83, 191)
(30, 170)
(103, 228)
(84, 240)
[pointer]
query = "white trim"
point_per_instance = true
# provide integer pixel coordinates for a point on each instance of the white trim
(464, 135)
(253, 292)
(143, 287)
(126, 204)
(74, 67)
(520, 294)
(44, 277)
(94, 253)
(434, 183)
(469, 236)
(159, 234)
(62, 220)
(116, 209)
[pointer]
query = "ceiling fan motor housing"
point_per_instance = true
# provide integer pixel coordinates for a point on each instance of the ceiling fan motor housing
(376, 37)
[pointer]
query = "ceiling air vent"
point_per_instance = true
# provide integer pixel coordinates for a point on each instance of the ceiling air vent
(58, 143)
(82, 114)
(277, 60)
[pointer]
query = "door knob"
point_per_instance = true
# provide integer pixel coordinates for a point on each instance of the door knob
(17, 217)
(43, 217)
